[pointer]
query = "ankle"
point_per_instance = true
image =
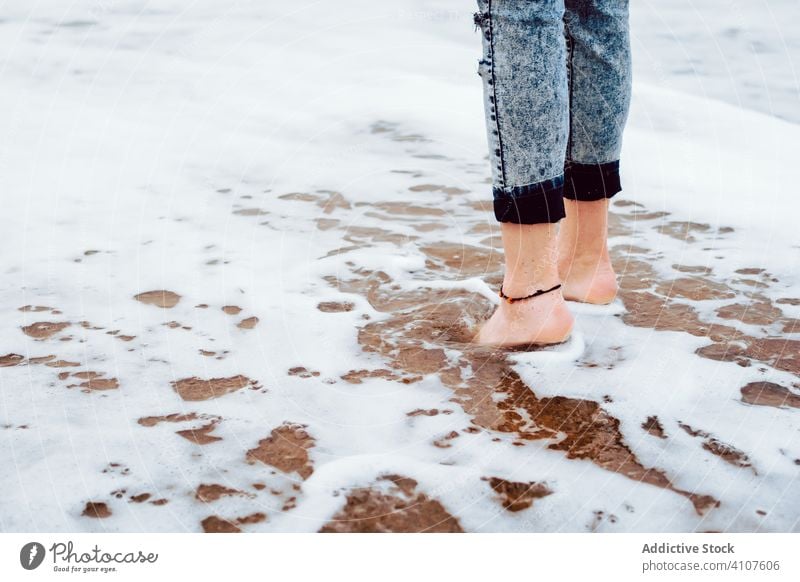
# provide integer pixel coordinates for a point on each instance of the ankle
(515, 287)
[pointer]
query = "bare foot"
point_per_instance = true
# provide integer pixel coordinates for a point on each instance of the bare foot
(531, 257)
(541, 320)
(583, 260)
(589, 280)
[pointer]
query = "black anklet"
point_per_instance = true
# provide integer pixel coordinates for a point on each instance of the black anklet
(536, 294)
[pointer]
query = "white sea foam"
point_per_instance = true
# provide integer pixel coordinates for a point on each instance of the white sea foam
(165, 140)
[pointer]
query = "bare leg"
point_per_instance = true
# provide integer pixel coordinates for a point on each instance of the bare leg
(531, 257)
(583, 262)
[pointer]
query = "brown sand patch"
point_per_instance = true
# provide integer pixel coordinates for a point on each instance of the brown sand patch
(300, 196)
(248, 323)
(696, 289)
(515, 496)
(88, 375)
(769, 394)
(286, 449)
(726, 452)
(782, 354)
(751, 283)
(215, 524)
(96, 509)
(154, 420)
(335, 306)
(159, 298)
(327, 223)
(644, 309)
(250, 212)
(61, 364)
(444, 442)
(454, 191)
(34, 308)
(195, 389)
(637, 215)
(392, 505)
(334, 200)
(213, 491)
(484, 228)
(11, 360)
(407, 209)
(232, 309)
(343, 250)
(44, 329)
(429, 412)
(653, 426)
(252, 518)
(201, 435)
(755, 313)
(428, 226)
(463, 260)
(695, 269)
(484, 206)
(359, 235)
(791, 326)
(426, 188)
(634, 274)
(683, 230)
(358, 376)
(623, 203)
(302, 372)
(788, 301)
(99, 384)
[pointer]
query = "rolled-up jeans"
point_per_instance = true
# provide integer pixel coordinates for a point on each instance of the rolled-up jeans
(557, 85)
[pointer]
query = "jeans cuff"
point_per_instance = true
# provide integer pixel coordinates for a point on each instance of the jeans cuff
(542, 202)
(588, 182)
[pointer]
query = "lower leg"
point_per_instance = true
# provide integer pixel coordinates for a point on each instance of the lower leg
(531, 261)
(599, 65)
(583, 262)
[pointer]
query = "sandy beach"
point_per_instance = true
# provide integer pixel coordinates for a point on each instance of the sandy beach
(246, 250)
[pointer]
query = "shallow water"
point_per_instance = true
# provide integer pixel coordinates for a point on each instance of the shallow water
(227, 316)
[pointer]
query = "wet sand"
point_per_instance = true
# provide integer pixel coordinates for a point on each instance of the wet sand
(427, 332)
(266, 324)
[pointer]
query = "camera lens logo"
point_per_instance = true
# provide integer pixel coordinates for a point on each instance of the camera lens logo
(31, 555)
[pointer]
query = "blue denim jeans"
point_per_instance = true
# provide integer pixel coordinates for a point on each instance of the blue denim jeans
(557, 85)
